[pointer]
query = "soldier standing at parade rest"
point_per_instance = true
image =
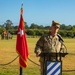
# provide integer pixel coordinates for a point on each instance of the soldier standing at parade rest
(49, 42)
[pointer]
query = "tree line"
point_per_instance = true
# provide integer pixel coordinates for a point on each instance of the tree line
(37, 30)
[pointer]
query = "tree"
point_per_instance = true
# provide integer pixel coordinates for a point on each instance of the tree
(69, 27)
(73, 29)
(8, 24)
(34, 26)
(40, 27)
(2, 26)
(47, 27)
(26, 26)
(63, 27)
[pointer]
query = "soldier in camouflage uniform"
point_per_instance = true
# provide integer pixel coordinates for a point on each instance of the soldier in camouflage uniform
(49, 43)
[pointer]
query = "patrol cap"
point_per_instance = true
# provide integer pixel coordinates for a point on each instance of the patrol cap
(54, 23)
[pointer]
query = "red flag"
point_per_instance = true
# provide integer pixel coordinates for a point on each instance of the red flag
(21, 43)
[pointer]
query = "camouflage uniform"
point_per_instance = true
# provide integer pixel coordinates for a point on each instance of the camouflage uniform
(47, 43)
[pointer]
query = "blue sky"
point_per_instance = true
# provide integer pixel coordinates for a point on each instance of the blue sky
(40, 12)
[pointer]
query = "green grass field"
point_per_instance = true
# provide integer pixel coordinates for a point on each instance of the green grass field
(8, 53)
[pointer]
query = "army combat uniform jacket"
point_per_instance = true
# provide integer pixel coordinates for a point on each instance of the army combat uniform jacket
(48, 43)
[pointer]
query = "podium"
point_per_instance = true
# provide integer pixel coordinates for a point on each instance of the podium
(52, 63)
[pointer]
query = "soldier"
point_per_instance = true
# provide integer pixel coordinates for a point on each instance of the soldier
(50, 42)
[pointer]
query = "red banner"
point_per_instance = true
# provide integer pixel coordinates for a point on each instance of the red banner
(21, 43)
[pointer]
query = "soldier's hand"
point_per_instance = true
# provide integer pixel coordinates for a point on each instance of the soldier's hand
(38, 53)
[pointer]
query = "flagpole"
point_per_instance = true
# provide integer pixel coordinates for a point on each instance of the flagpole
(22, 49)
(21, 71)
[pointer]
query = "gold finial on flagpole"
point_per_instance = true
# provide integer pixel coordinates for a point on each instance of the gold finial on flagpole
(22, 8)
